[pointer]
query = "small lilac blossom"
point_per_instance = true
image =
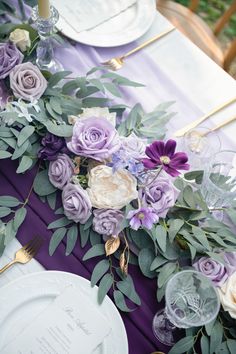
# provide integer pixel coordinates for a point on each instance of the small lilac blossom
(10, 56)
(135, 168)
(144, 217)
(52, 146)
(60, 171)
(107, 221)
(161, 154)
(118, 160)
(94, 138)
(212, 269)
(76, 203)
(230, 261)
(159, 193)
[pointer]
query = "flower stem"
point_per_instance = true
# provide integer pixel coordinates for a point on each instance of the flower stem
(31, 189)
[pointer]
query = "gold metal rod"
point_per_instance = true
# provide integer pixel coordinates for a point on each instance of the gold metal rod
(149, 41)
(221, 125)
(198, 121)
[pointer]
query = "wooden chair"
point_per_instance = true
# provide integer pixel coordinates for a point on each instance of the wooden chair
(198, 31)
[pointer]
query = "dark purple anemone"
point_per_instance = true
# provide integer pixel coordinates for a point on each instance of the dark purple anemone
(163, 154)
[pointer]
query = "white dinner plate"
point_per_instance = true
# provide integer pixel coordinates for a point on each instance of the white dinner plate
(121, 29)
(25, 298)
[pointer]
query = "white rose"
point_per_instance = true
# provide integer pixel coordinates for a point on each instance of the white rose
(134, 146)
(21, 39)
(228, 295)
(108, 190)
(97, 112)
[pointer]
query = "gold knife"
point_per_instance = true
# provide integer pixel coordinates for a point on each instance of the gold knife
(198, 121)
(221, 125)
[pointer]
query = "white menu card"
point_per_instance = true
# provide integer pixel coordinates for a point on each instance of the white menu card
(70, 325)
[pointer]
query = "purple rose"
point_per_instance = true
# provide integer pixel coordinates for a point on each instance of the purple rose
(107, 221)
(27, 81)
(230, 261)
(52, 146)
(76, 203)
(95, 138)
(10, 56)
(212, 269)
(60, 171)
(160, 194)
(3, 94)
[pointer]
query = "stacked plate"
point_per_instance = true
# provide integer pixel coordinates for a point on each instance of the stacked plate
(105, 23)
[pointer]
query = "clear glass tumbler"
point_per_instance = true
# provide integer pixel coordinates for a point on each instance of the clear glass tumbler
(191, 301)
(200, 144)
(219, 180)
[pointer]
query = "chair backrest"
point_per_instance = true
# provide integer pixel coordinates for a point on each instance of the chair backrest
(223, 20)
(220, 24)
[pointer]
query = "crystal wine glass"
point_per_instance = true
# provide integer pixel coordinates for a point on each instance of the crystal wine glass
(219, 180)
(200, 144)
(191, 301)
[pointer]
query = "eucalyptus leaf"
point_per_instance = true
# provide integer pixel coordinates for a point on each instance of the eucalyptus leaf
(205, 345)
(231, 343)
(174, 227)
(56, 239)
(19, 218)
(59, 223)
(19, 151)
(9, 201)
(25, 163)
(216, 336)
(42, 185)
(84, 235)
(165, 272)
(56, 78)
(99, 270)
(4, 211)
(62, 130)
(24, 134)
(72, 236)
(126, 286)
(10, 233)
(112, 89)
(201, 237)
(145, 258)
(95, 251)
(104, 286)
(182, 346)
(160, 237)
(120, 301)
(158, 262)
(5, 154)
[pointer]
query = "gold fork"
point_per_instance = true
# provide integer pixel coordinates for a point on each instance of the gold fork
(117, 63)
(25, 254)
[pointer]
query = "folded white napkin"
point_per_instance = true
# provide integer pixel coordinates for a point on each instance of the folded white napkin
(71, 324)
(83, 14)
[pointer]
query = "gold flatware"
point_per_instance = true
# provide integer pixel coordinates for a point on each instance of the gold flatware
(221, 125)
(117, 63)
(25, 254)
(198, 121)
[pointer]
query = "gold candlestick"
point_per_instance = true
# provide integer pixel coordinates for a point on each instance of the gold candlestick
(44, 8)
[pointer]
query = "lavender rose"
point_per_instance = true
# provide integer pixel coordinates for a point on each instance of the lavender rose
(27, 82)
(95, 138)
(60, 171)
(10, 56)
(214, 270)
(134, 146)
(107, 221)
(76, 203)
(160, 194)
(52, 146)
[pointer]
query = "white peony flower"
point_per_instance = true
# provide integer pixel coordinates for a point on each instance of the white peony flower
(97, 112)
(21, 39)
(228, 295)
(108, 190)
(134, 146)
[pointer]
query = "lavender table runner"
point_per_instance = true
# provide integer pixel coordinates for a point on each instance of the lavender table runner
(159, 87)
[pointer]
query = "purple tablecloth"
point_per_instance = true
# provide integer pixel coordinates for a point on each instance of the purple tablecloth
(159, 87)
